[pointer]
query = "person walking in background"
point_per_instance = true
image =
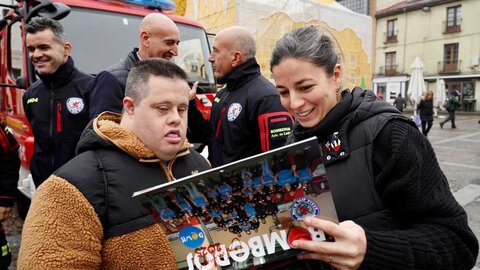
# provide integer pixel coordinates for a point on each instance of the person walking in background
(158, 37)
(247, 117)
(425, 110)
(9, 171)
(400, 103)
(84, 215)
(393, 201)
(57, 105)
(451, 106)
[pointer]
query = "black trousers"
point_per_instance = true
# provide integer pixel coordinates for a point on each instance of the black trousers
(451, 117)
(426, 126)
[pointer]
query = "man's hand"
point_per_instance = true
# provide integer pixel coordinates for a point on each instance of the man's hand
(5, 212)
(193, 91)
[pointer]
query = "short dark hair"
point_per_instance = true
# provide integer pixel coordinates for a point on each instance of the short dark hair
(309, 44)
(138, 77)
(39, 24)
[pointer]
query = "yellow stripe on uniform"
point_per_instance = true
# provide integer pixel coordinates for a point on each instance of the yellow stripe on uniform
(5, 250)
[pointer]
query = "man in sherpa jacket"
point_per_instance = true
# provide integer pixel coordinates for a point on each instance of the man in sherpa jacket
(84, 216)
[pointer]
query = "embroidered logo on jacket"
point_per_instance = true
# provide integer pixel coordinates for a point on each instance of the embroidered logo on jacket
(334, 142)
(75, 105)
(234, 111)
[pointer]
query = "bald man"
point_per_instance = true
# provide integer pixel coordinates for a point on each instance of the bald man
(247, 117)
(158, 37)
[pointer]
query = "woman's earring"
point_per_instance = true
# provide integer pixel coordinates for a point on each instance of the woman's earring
(338, 93)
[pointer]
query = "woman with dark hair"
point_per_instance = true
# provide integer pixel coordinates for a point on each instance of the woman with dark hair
(425, 109)
(393, 202)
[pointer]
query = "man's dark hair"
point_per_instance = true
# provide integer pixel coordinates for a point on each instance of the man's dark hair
(137, 81)
(39, 24)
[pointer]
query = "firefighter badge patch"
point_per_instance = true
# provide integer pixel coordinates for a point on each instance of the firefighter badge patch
(234, 111)
(75, 105)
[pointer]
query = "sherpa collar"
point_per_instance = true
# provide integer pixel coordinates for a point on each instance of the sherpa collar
(107, 126)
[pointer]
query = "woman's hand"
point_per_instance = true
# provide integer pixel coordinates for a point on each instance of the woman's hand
(348, 250)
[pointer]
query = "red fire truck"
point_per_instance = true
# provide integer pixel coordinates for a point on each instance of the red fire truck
(101, 32)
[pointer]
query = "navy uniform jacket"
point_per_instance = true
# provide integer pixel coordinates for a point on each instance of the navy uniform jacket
(57, 107)
(108, 87)
(247, 117)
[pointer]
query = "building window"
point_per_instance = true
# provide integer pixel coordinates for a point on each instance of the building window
(450, 58)
(352, 78)
(359, 6)
(392, 30)
(390, 66)
(454, 19)
(381, 90)
(353, 61)
(466, 89)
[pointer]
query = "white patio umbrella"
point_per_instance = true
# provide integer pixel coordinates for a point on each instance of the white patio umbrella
(440, 95)
(416, 87)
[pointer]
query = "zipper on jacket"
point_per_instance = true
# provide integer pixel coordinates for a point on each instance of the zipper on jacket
(167, 169)
(51, 131)
(217, 133)
(222, 104)
(170, 176)
(59, 117)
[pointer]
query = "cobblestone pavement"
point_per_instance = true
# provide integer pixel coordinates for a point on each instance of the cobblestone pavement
(457, 150)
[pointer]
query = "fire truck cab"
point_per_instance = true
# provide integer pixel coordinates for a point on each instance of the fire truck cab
(101, 33)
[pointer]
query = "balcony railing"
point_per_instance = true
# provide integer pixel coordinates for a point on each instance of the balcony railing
(447, 29)
(449, 67)
(390, 37)
(388, 70)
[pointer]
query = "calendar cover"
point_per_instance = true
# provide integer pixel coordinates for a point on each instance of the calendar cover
(245, 214)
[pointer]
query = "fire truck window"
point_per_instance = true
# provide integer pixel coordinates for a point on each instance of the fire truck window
(193, 54)
(190, 59)
(16, 56)
(103, 45)
(111, 36)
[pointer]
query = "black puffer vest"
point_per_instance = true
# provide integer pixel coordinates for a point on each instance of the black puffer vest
(347, 154)
(108, 178)
(121, 69)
